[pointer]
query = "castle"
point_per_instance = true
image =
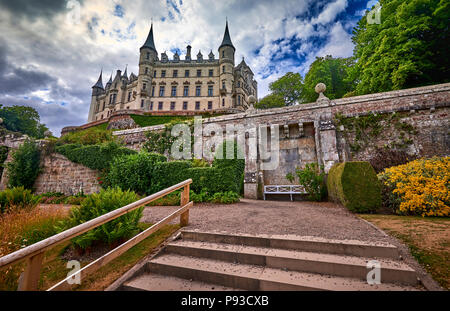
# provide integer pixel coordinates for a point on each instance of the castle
(176, 86)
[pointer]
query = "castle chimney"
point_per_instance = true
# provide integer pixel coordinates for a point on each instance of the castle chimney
(188, 52)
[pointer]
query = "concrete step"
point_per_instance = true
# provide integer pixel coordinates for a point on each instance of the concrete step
(307, 244)
(321, 263)
(156, 282)
(247, 277)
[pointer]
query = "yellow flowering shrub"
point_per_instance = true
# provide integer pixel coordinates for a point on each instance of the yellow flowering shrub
(419, 187)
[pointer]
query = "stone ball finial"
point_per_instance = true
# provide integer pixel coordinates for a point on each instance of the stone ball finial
(252, 100)
(1, 120)
(320, 88)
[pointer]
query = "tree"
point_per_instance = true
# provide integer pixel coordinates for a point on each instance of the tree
(408, 49)
(334, 72)
(270, 101)
(24, 167)
(289, 87)
(23, 119)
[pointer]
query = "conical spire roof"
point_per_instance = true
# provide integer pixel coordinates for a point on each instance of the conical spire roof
(150, 43)
(99, 83)
(125, 74)
(226, 38)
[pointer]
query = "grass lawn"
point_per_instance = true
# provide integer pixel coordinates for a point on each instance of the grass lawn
(54, 267)
(427, 238)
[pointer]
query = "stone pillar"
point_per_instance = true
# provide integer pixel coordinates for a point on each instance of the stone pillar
(251, 172)
(328, 143)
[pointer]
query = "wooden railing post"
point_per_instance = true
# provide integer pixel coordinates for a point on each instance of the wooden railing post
(30, 278)
(184, 218)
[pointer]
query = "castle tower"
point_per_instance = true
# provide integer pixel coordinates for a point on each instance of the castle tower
(226, 62)
(148, 56)
(97, 90)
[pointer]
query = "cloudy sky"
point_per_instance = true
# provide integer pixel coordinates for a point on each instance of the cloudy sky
(51, 51)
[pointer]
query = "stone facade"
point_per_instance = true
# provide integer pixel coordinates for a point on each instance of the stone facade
(178, 86)
(308, 132)
(59, 174)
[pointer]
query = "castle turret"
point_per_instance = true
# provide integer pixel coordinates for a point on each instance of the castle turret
(226, 61)
(97, 90)
(148, 57)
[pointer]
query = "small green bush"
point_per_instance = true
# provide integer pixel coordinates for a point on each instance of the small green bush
(134, 171)
(98, 204)
(18, 197)
(228, 197)
(354, 185)
(24, 167)
(312, 178)
(96, 157)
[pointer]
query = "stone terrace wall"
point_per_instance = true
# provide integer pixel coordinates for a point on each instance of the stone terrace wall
(59, 174)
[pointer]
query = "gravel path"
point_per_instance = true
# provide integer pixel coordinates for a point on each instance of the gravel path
(324, 220)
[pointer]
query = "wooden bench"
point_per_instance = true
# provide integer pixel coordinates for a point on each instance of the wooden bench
(284, 189)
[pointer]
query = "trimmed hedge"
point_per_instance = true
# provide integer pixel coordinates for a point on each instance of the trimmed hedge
(166, 174)
(96, 157)
(134, 171)
(355, 185)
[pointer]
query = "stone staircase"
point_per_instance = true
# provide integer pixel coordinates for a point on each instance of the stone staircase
(215, 261)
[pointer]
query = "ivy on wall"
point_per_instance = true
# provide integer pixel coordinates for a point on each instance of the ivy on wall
(362, 132)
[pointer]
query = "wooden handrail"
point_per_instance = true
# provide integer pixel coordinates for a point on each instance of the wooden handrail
(34, 253)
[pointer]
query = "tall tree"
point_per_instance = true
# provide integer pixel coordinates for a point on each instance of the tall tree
(409, 48)
(270, 101)
(289, 87)
(334, 72)
(23, 119)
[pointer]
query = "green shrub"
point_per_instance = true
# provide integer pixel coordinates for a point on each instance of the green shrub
(228, 197)
(134, 171)
(354, 185)
(98, 204)
(24, 167)
(166, 174)
(312, 178)
(90, 136)
(18, 197)
(96, 157)
(3, 155)
(231, 170)
(200, 163)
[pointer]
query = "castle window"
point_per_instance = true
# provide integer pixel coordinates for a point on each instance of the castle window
(142, 103)
(197, 105)
(210, 90)
(239, 83)
(186, 73)
(172, 106)
(223, 102)
(239, 100)
(174, 91)
(146, 70)
(144, 86)
(175, 73)
(153, 91)
(147, 56)
(129, 96)
(114, 98)
(209, 105)
(163, 73)
(151, 105)
(223, 85)
(197, 90)
(211, 72)
(223, 53)
(161, 91)
(185, 104)
(199, 72)
(154, 74)
(223, 69)
(160, 105)
(186, 90)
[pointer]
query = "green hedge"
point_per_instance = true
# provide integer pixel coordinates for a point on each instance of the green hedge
(134, 171)
(96, 157)
(166, 174)
(355, 185)
(24, 166)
